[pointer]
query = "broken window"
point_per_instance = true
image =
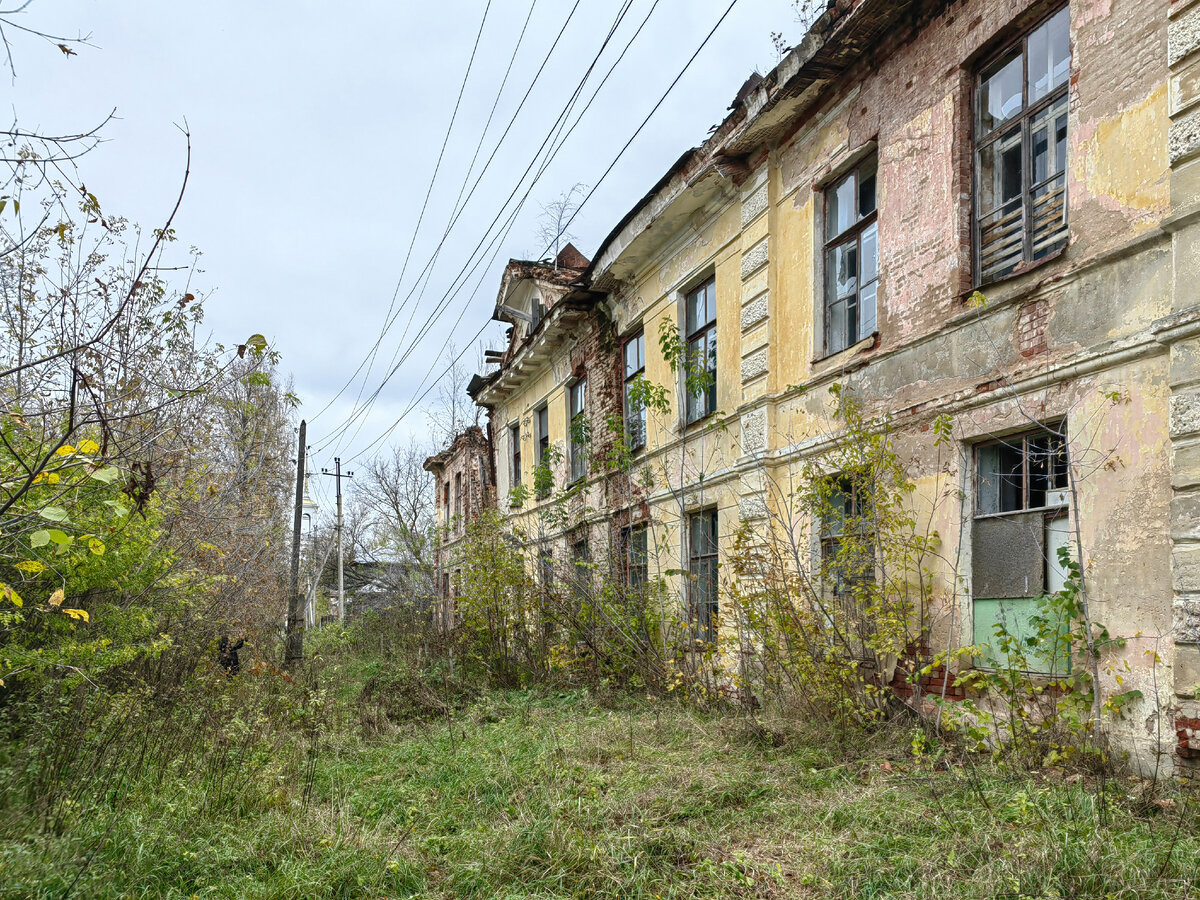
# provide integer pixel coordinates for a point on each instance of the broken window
(701, 330)
(458, 497)
(541, 430)
(847, 535)
(702, 571)
(1021, 521)
(1021, 151)
(851, 258)
(579, 436)
(635, 410)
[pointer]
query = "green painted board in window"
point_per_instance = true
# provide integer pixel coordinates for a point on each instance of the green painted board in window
(1017, 617)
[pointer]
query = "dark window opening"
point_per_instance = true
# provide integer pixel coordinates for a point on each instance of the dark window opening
(847, 535)
(702, 571)
(635, 545)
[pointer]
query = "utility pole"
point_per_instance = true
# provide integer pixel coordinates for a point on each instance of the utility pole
(337, 473)
(293, 651)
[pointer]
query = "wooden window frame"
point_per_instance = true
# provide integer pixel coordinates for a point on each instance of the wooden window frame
(514, 455)
(707, 332)
(636, 438)
(704, 621)
(541, 437)
(851, 234)
(1051, 430)
(1023, 120)
(577, 457)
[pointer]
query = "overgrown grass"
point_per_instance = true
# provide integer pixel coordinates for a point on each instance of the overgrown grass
(524, 795)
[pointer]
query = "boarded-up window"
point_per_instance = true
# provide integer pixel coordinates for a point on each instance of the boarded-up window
(1020, 523)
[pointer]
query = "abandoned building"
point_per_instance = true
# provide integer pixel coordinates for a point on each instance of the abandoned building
(982, 212)
(463, 483)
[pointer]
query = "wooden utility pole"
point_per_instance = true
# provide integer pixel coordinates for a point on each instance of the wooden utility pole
(293, 651)
(337, 473)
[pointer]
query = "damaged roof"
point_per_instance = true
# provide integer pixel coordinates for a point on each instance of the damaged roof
(765, 111)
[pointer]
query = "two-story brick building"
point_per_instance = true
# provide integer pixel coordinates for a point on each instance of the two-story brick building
(980, 210)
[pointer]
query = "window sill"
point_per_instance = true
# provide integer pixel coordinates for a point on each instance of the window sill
(1023, 269)
(1057, 507)
(870, 342)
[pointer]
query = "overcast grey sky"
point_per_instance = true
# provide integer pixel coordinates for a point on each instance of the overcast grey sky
(315, 130)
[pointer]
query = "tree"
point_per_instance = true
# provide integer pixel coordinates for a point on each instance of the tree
(552, 231)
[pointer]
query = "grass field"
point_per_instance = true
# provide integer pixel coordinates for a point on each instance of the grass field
(523, 795)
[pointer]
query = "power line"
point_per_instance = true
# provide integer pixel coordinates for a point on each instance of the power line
(390, 316)
(432, 180)
(412, 405)
(439, 309)
(661, 99)
(563, 139)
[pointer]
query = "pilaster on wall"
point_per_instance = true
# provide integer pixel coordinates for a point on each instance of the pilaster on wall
(1182, 334)
(755, 332)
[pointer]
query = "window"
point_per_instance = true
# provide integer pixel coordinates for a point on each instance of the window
(1021, 151)
(581, 570)
(544, 479)
(446, 505)
(702, 569)
(514, 437)
(576, 398)
(635, 410)
(847, 536)
(458, 497)
(636, 561)
(701, 330)
(851, 258)
(1021, 489)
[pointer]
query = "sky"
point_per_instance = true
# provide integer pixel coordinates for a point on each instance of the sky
(316, 130)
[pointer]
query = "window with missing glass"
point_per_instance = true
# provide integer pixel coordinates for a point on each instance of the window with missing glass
(635, 409)
(1021, 150)
(702, 571)
(1022, 492)
(701, 331)
(576, 400)
(851, 257)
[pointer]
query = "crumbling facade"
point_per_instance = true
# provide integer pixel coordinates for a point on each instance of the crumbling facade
(463, 488)
(979, 214)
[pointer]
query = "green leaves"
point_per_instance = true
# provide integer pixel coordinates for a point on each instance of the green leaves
(53, 514)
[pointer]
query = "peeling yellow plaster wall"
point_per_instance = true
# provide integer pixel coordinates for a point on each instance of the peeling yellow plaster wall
(1122, 161)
